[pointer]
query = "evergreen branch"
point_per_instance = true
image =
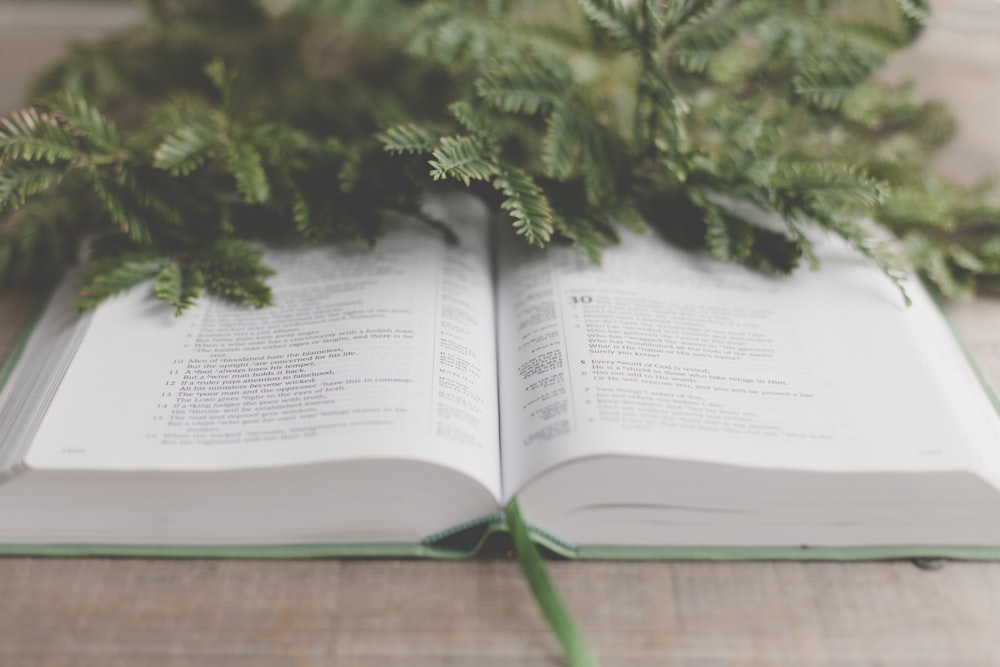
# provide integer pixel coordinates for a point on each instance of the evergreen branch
(526, 203)
(577, 120)
(86, 121)
(462, 158)
(302, 216)
(186, 149)
(861, 239)
(652, 20)
(446, 231)
(604, 166)
(117, 194)
(773, 252)
(523, 87)
(927, 207)
(576, 146)
(233, 271)
(917, 13)
(247, 167)
(619, 22)
(625, 214)
(179, 287)
(222, 78)
(409, 138)
(449, 36)
(476, 123)
(30, 134)
(696, 50)
(728, 238)
(111, 275)
(585, 235)
(884, 36)
(369, 18)
(736, 62)
(869, 106)
(350, 171)
(39, 240)
(819, 189)
(459, 34)
(953, 269)
(283, 146)
(19, 181)
(826, 83)
(660, 125)
(732, 236)
(945, 276)
(683, 14)
(560, 146)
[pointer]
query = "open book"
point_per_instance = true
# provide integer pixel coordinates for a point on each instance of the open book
(663, 403)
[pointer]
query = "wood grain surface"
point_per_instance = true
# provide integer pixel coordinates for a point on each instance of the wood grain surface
(157, 612)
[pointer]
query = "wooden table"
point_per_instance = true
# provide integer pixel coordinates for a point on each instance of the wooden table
(109, 612)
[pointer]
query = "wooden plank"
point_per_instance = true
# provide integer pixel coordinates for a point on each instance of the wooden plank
(406, 613)
(957, 60)
(157, 612)
(33, 36)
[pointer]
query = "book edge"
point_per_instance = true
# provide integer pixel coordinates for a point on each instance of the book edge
(977, 369)
(432, 552)
(13, 356)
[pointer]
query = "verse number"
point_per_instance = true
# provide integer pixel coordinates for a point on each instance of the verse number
(580, 299)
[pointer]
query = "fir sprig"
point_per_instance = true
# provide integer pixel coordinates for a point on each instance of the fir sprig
(223, 121)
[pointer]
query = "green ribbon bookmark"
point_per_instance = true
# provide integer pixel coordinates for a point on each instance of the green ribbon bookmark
(575, 648)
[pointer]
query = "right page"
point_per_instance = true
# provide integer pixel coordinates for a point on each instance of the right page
(663, 354)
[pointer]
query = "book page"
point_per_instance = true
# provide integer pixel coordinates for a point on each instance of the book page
(663, 353)
(383, 352)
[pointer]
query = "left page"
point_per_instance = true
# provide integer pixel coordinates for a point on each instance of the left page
(367, 353)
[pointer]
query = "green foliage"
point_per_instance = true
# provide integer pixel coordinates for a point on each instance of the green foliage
(222, 121)
(232, 269)
(527, 205)
(410, 138)
(524, 87)
(111, 275)
(39, 243)
(188, 147)
(20, 181)
(613, 17)
(463, 159)
(177, 286)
